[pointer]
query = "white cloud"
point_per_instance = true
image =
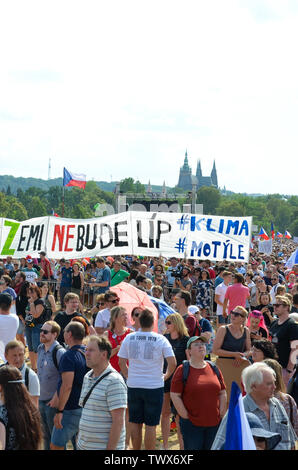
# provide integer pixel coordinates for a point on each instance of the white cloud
(123, 88)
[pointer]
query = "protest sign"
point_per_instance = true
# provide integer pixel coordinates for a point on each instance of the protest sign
(130, 233)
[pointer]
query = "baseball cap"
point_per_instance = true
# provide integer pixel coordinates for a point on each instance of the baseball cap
(43, 253)
(193, 309)
(258, 430)
(196, 338)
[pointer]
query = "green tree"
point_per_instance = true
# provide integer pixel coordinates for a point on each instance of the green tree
(36, 208)
(210, 198)
(230, 208)
(127, 185)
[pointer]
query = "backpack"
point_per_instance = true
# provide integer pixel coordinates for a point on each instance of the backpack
(185, 371)
(54, 354)
(197, 331)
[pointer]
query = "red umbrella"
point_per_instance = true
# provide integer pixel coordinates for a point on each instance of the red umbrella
(131, 297)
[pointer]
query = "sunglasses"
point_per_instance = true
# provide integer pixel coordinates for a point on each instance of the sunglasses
(45, 332)
(100, 303)
(237, 314)
(136, 315)
(115, 301)
(278, 305)
(167, 322)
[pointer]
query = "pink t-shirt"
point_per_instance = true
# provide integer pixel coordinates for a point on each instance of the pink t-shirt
(236, 295)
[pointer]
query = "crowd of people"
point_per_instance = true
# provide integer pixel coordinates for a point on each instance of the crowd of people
(80, 369)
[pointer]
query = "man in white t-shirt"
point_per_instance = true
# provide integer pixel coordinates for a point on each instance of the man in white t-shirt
(102, 320)
(145, 350)
(9, 323)
(219, 298)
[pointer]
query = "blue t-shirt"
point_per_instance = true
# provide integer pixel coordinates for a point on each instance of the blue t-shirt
(11, 292)
(103, 275)
(73, 361)
(66, 277)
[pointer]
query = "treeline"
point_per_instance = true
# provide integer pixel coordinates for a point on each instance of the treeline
(81, 204)
(281, 210)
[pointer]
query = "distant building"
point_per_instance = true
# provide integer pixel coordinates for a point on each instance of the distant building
(187, 180)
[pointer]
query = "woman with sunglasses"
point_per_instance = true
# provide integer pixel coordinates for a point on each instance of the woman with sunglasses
(99, 305)
(135, 315)
(232, 345)
(177, 335)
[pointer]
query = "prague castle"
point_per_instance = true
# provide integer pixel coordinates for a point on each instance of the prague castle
(187, 180)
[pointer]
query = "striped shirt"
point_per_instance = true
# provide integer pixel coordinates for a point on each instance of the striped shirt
(96, 420)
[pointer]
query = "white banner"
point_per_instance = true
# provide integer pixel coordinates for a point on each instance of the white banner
(265, 246)
(130, 233)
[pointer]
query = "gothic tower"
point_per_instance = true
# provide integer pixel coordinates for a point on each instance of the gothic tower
(214, 175)
(185, 177)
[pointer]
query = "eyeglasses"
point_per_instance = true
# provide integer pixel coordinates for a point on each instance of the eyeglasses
(167, 322)
(237, 314)
(45, 332)
(278, 305)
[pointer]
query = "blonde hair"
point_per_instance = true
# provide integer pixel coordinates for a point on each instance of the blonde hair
(178, 323)
(115, 312)
(280, 385)
(283, 299)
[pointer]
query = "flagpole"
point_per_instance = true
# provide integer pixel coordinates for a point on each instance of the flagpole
(63, 201)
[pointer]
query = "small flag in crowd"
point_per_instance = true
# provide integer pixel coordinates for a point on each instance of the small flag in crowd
(272, 231)
(279, 235)
(292, 260)
(263, 234)
(73, 179)
(287, 234)
(238, 432)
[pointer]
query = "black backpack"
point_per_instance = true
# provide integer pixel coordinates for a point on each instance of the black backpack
(54, 354)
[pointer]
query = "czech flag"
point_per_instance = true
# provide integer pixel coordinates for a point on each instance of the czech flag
(272, 231)
(279, 235)
(287, 234)
(263, 234)
(55, 214)
(238, 432)
(73, 179)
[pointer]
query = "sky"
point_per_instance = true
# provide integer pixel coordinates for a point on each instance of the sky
(117, 89)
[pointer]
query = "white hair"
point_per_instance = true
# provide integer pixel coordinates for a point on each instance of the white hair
(254, 375)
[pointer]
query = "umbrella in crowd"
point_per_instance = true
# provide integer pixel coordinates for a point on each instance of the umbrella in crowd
(131, 297)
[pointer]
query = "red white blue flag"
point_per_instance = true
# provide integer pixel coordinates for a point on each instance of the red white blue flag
(73, 179)
(263, 234)
(287, 234)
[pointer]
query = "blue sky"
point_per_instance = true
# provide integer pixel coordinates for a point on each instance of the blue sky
(117, 89)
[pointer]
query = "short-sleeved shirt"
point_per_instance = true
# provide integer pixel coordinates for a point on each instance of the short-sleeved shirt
(66, 277)
(237, 294)
(220, 290)
(73, 361)
(282, 335)
(102, 319)
(103, 275)
(119, 276)
(31, 275)
(33, 381)
(96, 420)
(200, 394)
(62, 318)
(48, 373)
(145, 352)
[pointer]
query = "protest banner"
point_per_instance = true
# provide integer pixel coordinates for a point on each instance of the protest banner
(129, 233)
